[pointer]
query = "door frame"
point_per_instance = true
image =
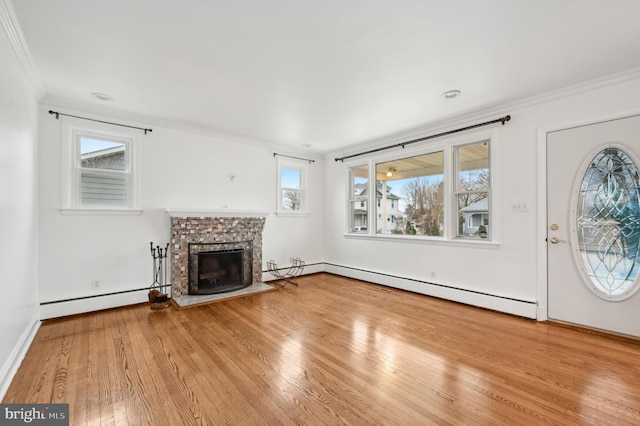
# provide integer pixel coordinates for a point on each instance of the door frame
(542, 282)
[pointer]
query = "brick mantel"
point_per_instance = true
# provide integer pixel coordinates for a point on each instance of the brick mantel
(215, 213)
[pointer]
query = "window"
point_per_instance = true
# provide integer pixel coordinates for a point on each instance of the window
(444, 193)
(102, 172)
(605, 225)
(292, 193)
(472, 189)
(359, 196)
(418, 183)
(99, 170)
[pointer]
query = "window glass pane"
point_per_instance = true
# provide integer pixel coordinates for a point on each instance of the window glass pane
(472, 195)
(359, 182)
(291, 188)
(102, 154)
(410, 195)
(608, 224)
(473, 167)
(473, 214)
(103, 189)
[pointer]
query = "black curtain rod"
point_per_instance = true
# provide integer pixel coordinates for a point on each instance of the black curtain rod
(297, 158)
(58, 114)
(502, 120)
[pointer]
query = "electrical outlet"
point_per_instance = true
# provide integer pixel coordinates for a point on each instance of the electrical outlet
(95, 284)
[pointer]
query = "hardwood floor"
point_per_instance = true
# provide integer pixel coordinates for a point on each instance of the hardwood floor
(332, 351)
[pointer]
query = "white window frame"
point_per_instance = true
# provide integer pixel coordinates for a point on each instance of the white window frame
(353, 199)
(458, 191)
(448, 147)
(303, 167)
(72, 131)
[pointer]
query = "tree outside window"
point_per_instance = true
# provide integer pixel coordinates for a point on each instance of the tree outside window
(292, 193)
(411, 195)
(472, 189)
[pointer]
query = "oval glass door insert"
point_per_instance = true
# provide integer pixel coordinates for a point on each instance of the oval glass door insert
(607, 225)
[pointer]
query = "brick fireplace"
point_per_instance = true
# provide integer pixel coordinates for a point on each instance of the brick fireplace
(211, 231)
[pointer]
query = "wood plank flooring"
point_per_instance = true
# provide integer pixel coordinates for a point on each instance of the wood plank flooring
(331, 351)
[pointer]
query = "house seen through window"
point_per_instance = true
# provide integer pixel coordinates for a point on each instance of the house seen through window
(359, 183)
(103, 172)
(100, 182)
(472, 189)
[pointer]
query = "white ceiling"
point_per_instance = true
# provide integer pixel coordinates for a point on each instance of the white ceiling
(320, 74)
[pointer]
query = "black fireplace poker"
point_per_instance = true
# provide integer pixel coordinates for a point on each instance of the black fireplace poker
(157, 297)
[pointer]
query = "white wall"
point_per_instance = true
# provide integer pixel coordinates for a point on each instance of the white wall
(180, 170)
(510, 276)
(183, 170)
(18, 225)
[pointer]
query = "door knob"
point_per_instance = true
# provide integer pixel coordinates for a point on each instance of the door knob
(554, 227)
(555, 240)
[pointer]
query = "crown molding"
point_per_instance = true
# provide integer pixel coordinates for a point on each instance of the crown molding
(16, 38)
(100, 112)
(488, 112)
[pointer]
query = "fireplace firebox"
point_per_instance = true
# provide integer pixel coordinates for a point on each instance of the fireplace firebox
(220, 267)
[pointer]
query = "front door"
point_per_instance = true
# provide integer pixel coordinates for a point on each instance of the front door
(593, 225)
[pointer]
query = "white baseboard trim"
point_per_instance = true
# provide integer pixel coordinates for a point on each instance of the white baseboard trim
(93, 303)
(18, 353)
(523, 308)
(542, 314)
(502, 304)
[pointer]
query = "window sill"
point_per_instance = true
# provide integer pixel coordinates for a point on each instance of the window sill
(100, 212)
(483, 244)
(288, 214)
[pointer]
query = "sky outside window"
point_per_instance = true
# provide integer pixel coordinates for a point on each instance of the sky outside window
(290, 178)
(88, 145)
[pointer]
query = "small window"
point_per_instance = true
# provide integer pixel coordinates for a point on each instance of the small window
(292, 192)
(99, 170)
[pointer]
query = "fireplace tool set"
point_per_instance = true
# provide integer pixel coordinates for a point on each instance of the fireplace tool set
(157, 298)
(289, 275)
